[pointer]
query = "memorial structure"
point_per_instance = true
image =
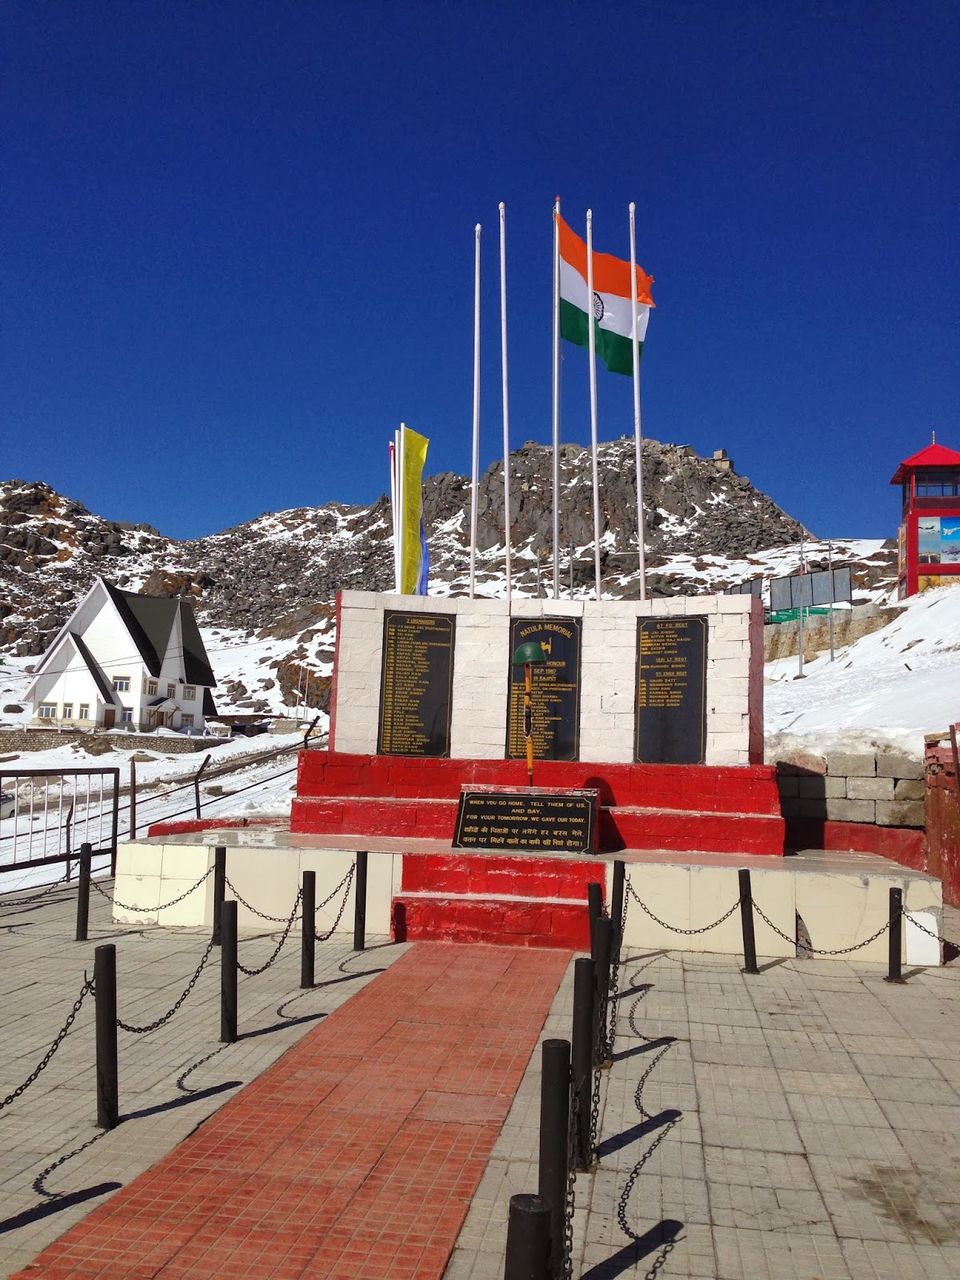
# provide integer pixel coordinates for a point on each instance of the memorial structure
(648, 739)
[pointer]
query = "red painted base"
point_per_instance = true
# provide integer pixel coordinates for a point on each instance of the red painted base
(684, 808)
(519, 924)
(906, 845)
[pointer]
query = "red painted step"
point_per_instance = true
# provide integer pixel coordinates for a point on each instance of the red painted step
(517, 922)
(482, 875)
(705, 788)
(620, 828)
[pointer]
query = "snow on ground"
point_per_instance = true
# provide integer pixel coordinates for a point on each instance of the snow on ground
(890, 687)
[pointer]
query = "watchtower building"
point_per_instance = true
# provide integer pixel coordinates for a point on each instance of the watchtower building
(929, 539)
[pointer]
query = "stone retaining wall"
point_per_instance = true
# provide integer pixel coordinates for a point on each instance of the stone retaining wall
(45, 740)
(884, 788)
(782, 639)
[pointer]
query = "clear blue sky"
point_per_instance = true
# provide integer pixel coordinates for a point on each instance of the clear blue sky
(238, 240)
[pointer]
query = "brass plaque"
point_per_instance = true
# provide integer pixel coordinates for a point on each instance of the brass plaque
(556, 690)
(416, 684)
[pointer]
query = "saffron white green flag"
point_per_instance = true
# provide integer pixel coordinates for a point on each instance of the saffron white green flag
(611, 305)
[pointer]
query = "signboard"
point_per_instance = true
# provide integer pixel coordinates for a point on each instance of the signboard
(938, 540)
(556, 690)
(831, 586)
(671, 711)
(752, 587)
(416, 684)
(526, 819)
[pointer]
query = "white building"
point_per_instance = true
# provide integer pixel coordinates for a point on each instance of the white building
(124, 659)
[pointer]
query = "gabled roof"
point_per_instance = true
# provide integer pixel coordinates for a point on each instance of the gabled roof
(150, 621)
(934, 455)
(106, 689)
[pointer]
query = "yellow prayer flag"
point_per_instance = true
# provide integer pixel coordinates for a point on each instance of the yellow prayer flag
(413, 451)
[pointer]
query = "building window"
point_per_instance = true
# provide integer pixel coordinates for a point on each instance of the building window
(189, 693)
(126, 715)
(151, 688)
(171, 690)
(84, 711)
(121, 684)
(68, 711)
(186, 722)
(47, 711)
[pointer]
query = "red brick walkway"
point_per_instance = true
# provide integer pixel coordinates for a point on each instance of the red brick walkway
(356, 1154)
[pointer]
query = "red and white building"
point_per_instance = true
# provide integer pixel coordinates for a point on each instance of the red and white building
(929, 538)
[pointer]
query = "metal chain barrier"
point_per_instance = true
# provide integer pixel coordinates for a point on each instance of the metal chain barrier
(818, 951)
(570, 1195)
(159, 1022)
(637, 1169)
(249, 906)
(126, 906)
(344, 884)
(253, 973)
(615, 980)
(58, 1041)
(673, 928)
(929, 932)
(22, 902)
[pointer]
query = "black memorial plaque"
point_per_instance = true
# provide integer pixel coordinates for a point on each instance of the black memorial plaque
(671, 714)
(532, 821)
(416, 683)
(556, 690)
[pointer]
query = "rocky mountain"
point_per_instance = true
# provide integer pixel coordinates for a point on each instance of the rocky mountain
(276, 576)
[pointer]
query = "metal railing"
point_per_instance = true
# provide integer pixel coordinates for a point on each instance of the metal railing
(54, 812)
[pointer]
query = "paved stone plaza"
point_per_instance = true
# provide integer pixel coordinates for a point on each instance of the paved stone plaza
(797, 1124)
(802, 1124)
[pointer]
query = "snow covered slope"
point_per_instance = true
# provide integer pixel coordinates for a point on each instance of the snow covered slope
(889, 687)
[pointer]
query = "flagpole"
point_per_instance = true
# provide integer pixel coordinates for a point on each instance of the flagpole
(556, 400)
(475, 474)
(592, 337)
(401, 493)
(637, 430)
(394, 508)
(506, 402)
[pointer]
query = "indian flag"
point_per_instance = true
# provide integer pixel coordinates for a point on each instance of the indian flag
(611, 303)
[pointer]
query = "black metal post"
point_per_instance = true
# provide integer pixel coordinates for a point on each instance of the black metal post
(582, 1058)
(196, 783)
(105, 994)
(83, 893)
(746, 923)
(603, 940)
(594, 907)
(228, 972)
(219, 889)
(360, 902)
(308, 936)
(554, 1130)
(528, 1239)
(895, 938)
(616, 905)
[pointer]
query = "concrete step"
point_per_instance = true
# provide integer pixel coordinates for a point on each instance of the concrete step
(506, 921)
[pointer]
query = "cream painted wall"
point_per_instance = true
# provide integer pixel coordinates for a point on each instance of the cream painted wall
(608, 672)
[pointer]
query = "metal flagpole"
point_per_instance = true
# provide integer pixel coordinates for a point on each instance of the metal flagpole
(637, 432)
(593, 404)
(832, 595)
(401, 494)
(506, 401)
(393, 510)
(556, 400)
(475, 474)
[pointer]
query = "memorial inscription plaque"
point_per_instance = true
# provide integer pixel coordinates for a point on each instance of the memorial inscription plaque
(671, 714)
(556, 690)
(525, 819)
(416, 684)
